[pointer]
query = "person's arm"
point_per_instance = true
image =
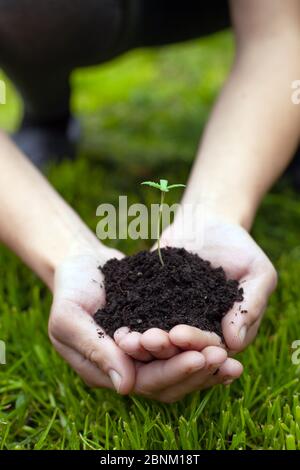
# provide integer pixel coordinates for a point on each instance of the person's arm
(250, 137)
(35, 222)
(40, 227)
(254, 127)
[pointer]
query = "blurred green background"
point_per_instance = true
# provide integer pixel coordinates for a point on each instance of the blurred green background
(142, 116)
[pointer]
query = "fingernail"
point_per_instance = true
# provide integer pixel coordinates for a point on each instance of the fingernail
(214, 368)
(242, 333)
(227, 380)
(116, 379)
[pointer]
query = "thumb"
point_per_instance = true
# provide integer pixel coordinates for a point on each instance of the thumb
(240, 324)
(75, 328)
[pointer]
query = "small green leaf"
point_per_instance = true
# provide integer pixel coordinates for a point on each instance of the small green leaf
(152, 184)
(176, 186)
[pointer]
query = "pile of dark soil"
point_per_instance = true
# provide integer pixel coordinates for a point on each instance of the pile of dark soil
(141, 293)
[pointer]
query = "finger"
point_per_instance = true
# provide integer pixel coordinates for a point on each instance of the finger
(71, 325)
(237, 323)
(120, 333)
(192, 338)
(227, 373)
(89, 372)
(158, 343)
(131, 344)
(163, 373)
(214, 359)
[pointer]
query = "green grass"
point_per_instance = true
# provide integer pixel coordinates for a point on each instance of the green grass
(142, 116)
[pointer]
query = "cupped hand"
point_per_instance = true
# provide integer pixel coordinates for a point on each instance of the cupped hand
(223, 244)
(175, 371)
(169, 380)
(230, 246)
(78, 294)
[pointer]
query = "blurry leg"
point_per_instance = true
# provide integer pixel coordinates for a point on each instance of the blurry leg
(47, 130)
(163, 22)
(45, 93)
(40, 44)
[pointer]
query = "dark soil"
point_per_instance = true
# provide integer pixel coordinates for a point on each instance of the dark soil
(142, 294)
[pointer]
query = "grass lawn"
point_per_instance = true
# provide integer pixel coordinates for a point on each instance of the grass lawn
(142, 116)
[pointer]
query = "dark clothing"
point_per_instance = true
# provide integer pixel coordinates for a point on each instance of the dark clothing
(42, 41)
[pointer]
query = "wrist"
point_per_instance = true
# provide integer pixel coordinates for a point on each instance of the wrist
(78, 242)
(63, 235)
(63, 241)
(233, 207)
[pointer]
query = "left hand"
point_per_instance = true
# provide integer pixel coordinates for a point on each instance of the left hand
(223, 244)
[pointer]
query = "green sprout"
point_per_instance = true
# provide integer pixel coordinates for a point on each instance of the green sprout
(164, 188)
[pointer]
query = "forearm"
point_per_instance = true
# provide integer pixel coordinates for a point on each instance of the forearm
(35, 222)
(252, 133)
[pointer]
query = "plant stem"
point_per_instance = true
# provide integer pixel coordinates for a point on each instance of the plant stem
(162, 197)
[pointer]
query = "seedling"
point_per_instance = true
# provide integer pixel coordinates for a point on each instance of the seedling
(164, 188)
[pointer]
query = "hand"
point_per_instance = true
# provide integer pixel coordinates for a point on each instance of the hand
(78, 294)
(170, 380)
(230, 246)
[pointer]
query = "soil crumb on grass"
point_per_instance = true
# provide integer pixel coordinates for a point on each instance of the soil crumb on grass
(142, 294)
